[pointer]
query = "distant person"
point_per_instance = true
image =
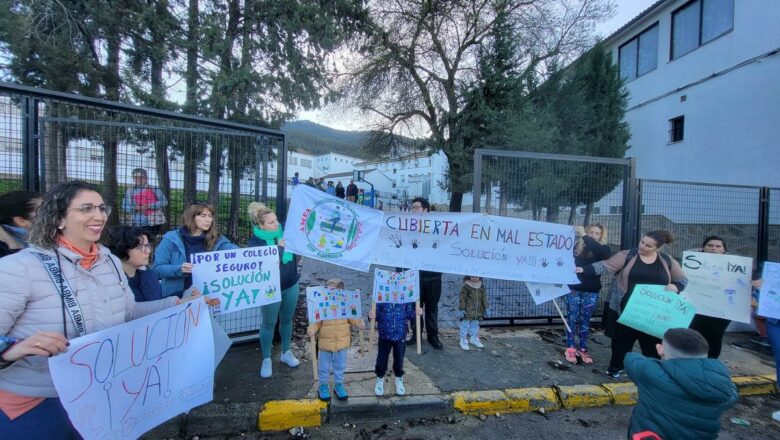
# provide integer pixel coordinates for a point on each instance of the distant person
(333, 342)
(361, 197)
(145, 204)
(582, 300)
(310, 182)
(684, 394)
(330, 189)
(352, 191)
(296, 180)
(473, 305)
(17, 211)
(379, 205)
(133, 248)
(340, 193)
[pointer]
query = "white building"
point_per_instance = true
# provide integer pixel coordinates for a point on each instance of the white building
(334, 163)
(704, 99)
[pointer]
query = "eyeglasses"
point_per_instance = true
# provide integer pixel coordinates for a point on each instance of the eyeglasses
(193, 203)
(89, 209)
(144, 247)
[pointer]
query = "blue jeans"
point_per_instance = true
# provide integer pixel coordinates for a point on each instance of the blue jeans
(47, 421)
(580, 306)
(283, 311)
(469, 327)
(337, 360)
(773, 333)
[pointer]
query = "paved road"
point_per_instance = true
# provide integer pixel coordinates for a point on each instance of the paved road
(592, 424)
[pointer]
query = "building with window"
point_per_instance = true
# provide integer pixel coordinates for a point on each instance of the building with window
(704, 99)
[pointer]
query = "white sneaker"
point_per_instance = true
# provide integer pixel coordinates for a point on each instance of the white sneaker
(776, 416)
(265, 369)
(476, 342)
(400, 389)
(289, 358)
(379, 388)
(464, 343)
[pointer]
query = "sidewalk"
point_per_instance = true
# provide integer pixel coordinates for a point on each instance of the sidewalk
(520, 368)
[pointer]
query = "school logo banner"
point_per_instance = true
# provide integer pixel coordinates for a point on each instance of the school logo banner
(330, 229)
(478, 244)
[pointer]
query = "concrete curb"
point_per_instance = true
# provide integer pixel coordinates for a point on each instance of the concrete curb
(282, 415)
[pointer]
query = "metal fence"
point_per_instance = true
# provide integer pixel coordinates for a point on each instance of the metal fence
(48, 137)
(579, 190)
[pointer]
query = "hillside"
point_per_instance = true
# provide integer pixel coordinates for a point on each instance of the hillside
(319, 139)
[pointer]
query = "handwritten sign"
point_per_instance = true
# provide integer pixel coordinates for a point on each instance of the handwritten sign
(396, 287)
(653, 310)
(330, 229)
(323, 304)
(718, 285)
(477, 244)
(769, 299)
(541, 292)
(120, 382)
(240, 278)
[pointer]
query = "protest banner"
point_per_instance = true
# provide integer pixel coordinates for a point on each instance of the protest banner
(396, 287)
(653, 310)
(543, 292)
(718, 285)
(330, 229)
(240, 278)
(478, 244)
(323, 304)
(120, 382)
(769, 297)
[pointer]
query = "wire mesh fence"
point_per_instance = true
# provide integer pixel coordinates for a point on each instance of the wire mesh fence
(138, 156)
(557, 189)
(773, 236)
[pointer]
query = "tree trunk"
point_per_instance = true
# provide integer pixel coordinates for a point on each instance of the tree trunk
(588, 213)
(503, 199)
(572, 214)
(191, 100)
(53, 160)
(157, 60)
(488, 197)
(235, 192)
(215, 169)
(553, 214)
(110, 142)
(456, 200)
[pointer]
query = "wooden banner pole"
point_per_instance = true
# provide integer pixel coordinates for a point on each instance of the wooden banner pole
(562, 317)
(313, 350)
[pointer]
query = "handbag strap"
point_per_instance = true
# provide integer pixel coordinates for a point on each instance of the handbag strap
(66, 292)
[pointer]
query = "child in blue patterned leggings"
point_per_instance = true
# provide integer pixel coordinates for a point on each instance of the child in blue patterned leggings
(583, 298)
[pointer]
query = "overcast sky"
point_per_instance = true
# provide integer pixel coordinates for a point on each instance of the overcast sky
(626, 10)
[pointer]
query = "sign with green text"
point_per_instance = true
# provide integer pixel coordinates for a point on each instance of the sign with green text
(654, 310)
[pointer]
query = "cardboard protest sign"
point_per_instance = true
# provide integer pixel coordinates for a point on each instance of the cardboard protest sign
(330, 229)
(123, 381)
(542, 292)
(396, 287)
(323, 304)
(718, 285)
(653, 310)
(477, 244)
(769, 298)
(240, 278)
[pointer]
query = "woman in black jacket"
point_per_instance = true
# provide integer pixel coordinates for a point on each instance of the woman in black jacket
(584, 296)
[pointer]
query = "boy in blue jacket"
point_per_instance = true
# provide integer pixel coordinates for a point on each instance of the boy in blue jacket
(683, 395)
(391, 322)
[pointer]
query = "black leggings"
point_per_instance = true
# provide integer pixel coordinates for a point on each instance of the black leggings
(713, 330)
(623, 342)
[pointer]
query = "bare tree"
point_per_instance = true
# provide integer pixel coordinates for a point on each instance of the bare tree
(420, 57)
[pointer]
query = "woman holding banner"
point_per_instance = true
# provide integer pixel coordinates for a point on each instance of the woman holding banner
(645, 264)
(198, 233)
(590, 248)
(710, 327)
(267, 231)
(39, 308)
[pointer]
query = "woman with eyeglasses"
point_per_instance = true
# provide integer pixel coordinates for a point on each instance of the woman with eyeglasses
(39, 311)
(581, 302)
(131, 245)
(198, 233)
(17, 210)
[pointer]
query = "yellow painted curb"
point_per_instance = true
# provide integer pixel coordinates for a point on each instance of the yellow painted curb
(622, 393)
(531, 399)
(753, 385)
(771, 377)
(278, 415)
(583, 396)
(481, 402)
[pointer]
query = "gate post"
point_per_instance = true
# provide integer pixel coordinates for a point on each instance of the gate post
(632, 206)
(30, 175)
(476, 191)
(762, 234)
